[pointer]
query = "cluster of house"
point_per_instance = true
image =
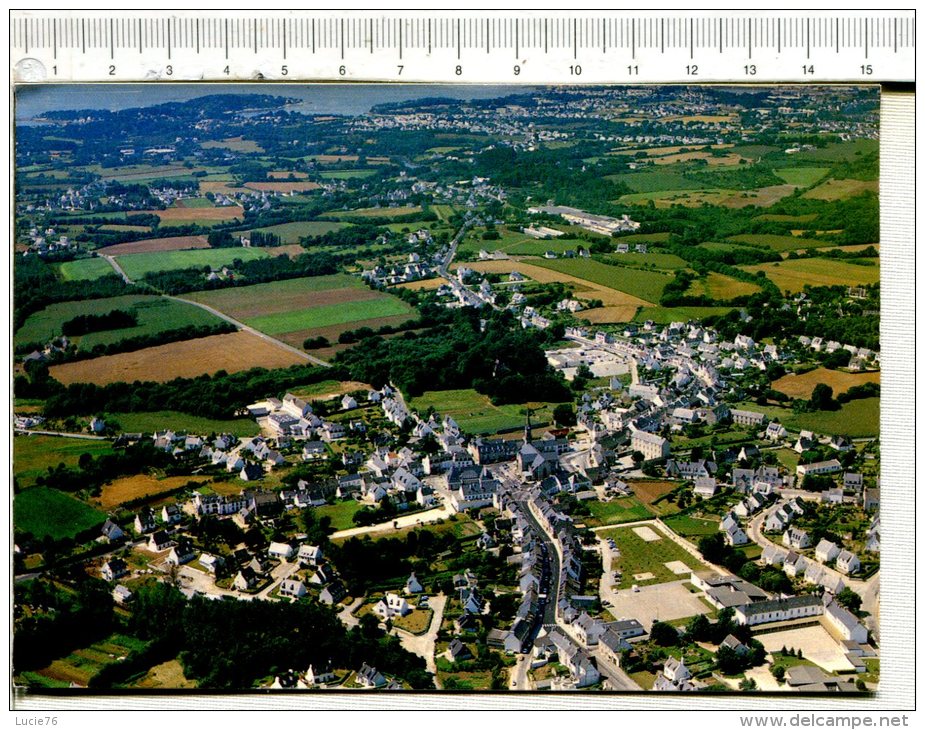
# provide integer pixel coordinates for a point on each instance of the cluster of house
(293, 417)
(861, 357)
(413, 270)
(754, 607)
(366, 677)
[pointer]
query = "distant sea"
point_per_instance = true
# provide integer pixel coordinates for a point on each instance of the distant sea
(347, 99)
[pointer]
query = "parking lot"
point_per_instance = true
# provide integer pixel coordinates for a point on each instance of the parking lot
(816, 643)
(660, 602)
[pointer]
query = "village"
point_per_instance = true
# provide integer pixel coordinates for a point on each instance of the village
(680, 376)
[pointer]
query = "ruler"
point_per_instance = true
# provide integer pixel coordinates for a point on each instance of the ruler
(475, 47)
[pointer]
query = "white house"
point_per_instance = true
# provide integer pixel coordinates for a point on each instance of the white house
(847, 562)
(841, 622)
(280, 550)
(826, 551)
(290, 588)
(413, 585)
(392, 605)
(796, 539)
(310, 554)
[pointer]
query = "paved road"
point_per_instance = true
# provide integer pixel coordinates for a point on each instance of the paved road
(118, 269)
(869, 590)
(346, 614)
(262, 335)
(63, 434)
(221, 315)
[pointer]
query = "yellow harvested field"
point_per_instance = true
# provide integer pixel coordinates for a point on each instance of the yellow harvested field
(218, 213)
(657, 151)
(840, 189)
(711, 159)
(801, 386)
(218, 186)
(705, 118)
(424, 284)
(793, 275)
(168, 675)
(722, 287)
(762, 197)
(618, 306)
(136, 487)
(232, 352)
(283, 187)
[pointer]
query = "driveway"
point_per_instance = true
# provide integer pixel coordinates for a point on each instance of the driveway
(346, 615)
(424, 644)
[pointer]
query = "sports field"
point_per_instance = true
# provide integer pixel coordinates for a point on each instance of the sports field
(137, 265)
(232, 353)
(154, 315)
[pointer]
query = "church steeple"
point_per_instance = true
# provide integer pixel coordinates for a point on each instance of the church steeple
(528, 434)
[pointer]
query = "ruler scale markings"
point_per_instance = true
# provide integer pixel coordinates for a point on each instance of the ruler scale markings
(54, 38)
(865, 37)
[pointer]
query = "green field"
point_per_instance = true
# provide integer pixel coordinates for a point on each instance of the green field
(444, 212)
(840, 151)
(84, 269)
(802, 177)
(792, 276)
(775, 242)
(33, 455)
(667, 315)
(624, 509)
(653, 181)
(475, 413)
(330, 314)
(638, 556)
(347, 174)
(360, 213)
(856, 419)
(196, 203)
(721, 287)
(341, 513)
(243, 298)
(155, 314)
(292, 232)
(691, 527)
(82, 664)
(151, 421)
(49, 512)
(657, 260)
(646, 285)
(136, 265)
(516, 243)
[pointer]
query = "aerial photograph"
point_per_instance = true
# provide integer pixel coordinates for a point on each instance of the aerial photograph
(530, 389)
